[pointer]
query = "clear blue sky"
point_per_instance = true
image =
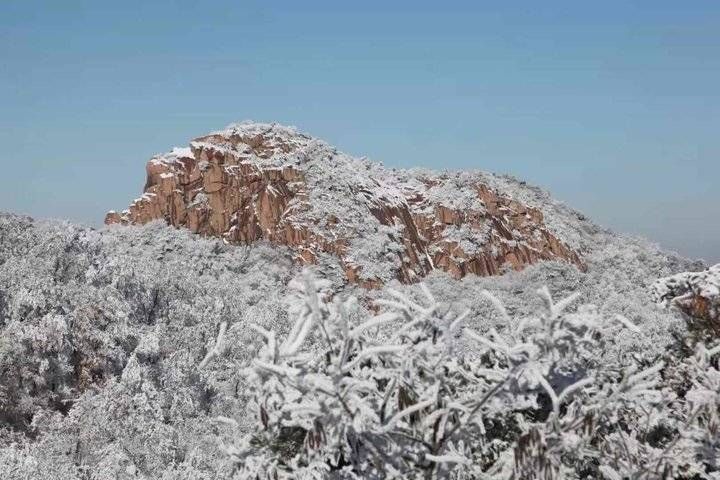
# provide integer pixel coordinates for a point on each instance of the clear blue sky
(613, 106)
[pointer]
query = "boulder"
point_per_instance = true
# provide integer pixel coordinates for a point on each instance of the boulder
(695, 293)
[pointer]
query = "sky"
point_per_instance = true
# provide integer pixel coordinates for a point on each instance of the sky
(614, 106)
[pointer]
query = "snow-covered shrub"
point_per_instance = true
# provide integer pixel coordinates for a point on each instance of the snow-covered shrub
(100, 336)
(102, 332)
(413, 393)
(695, 293)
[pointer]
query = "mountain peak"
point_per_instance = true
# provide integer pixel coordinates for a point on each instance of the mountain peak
(256, 181)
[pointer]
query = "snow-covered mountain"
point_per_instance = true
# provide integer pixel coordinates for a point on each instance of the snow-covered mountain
(144, 351)
(265, 181)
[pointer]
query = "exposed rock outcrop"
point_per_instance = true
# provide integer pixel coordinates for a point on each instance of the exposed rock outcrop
(695, 293)
(264, 181)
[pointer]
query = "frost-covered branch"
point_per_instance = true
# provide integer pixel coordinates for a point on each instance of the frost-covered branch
(402, 394)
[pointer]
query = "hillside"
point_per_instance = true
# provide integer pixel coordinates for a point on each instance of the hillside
(127, 352)
(265, 181)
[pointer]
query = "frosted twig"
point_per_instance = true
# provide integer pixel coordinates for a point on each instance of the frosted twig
(407, 411)
(498, 305)
(488, 343)
(447, 459)
(630, 326)
(369, 352)
(373, 322)
(216, 350)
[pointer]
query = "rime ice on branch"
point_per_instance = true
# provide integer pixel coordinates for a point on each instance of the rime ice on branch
(414, 393)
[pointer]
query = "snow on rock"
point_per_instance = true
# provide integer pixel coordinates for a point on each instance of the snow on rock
(253, 181)
(696, 293)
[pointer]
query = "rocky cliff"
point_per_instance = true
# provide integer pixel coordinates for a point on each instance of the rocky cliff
(264, 181)
(695, 293)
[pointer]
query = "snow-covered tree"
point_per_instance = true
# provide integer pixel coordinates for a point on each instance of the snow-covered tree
(411, 392)
(103, 332)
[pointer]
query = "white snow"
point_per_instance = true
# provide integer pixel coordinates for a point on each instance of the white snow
(683, 285)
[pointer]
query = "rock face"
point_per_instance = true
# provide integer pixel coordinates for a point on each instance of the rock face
(264, 181)
(695, 293)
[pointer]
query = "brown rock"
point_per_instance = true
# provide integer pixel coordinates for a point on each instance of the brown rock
(695, 293)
